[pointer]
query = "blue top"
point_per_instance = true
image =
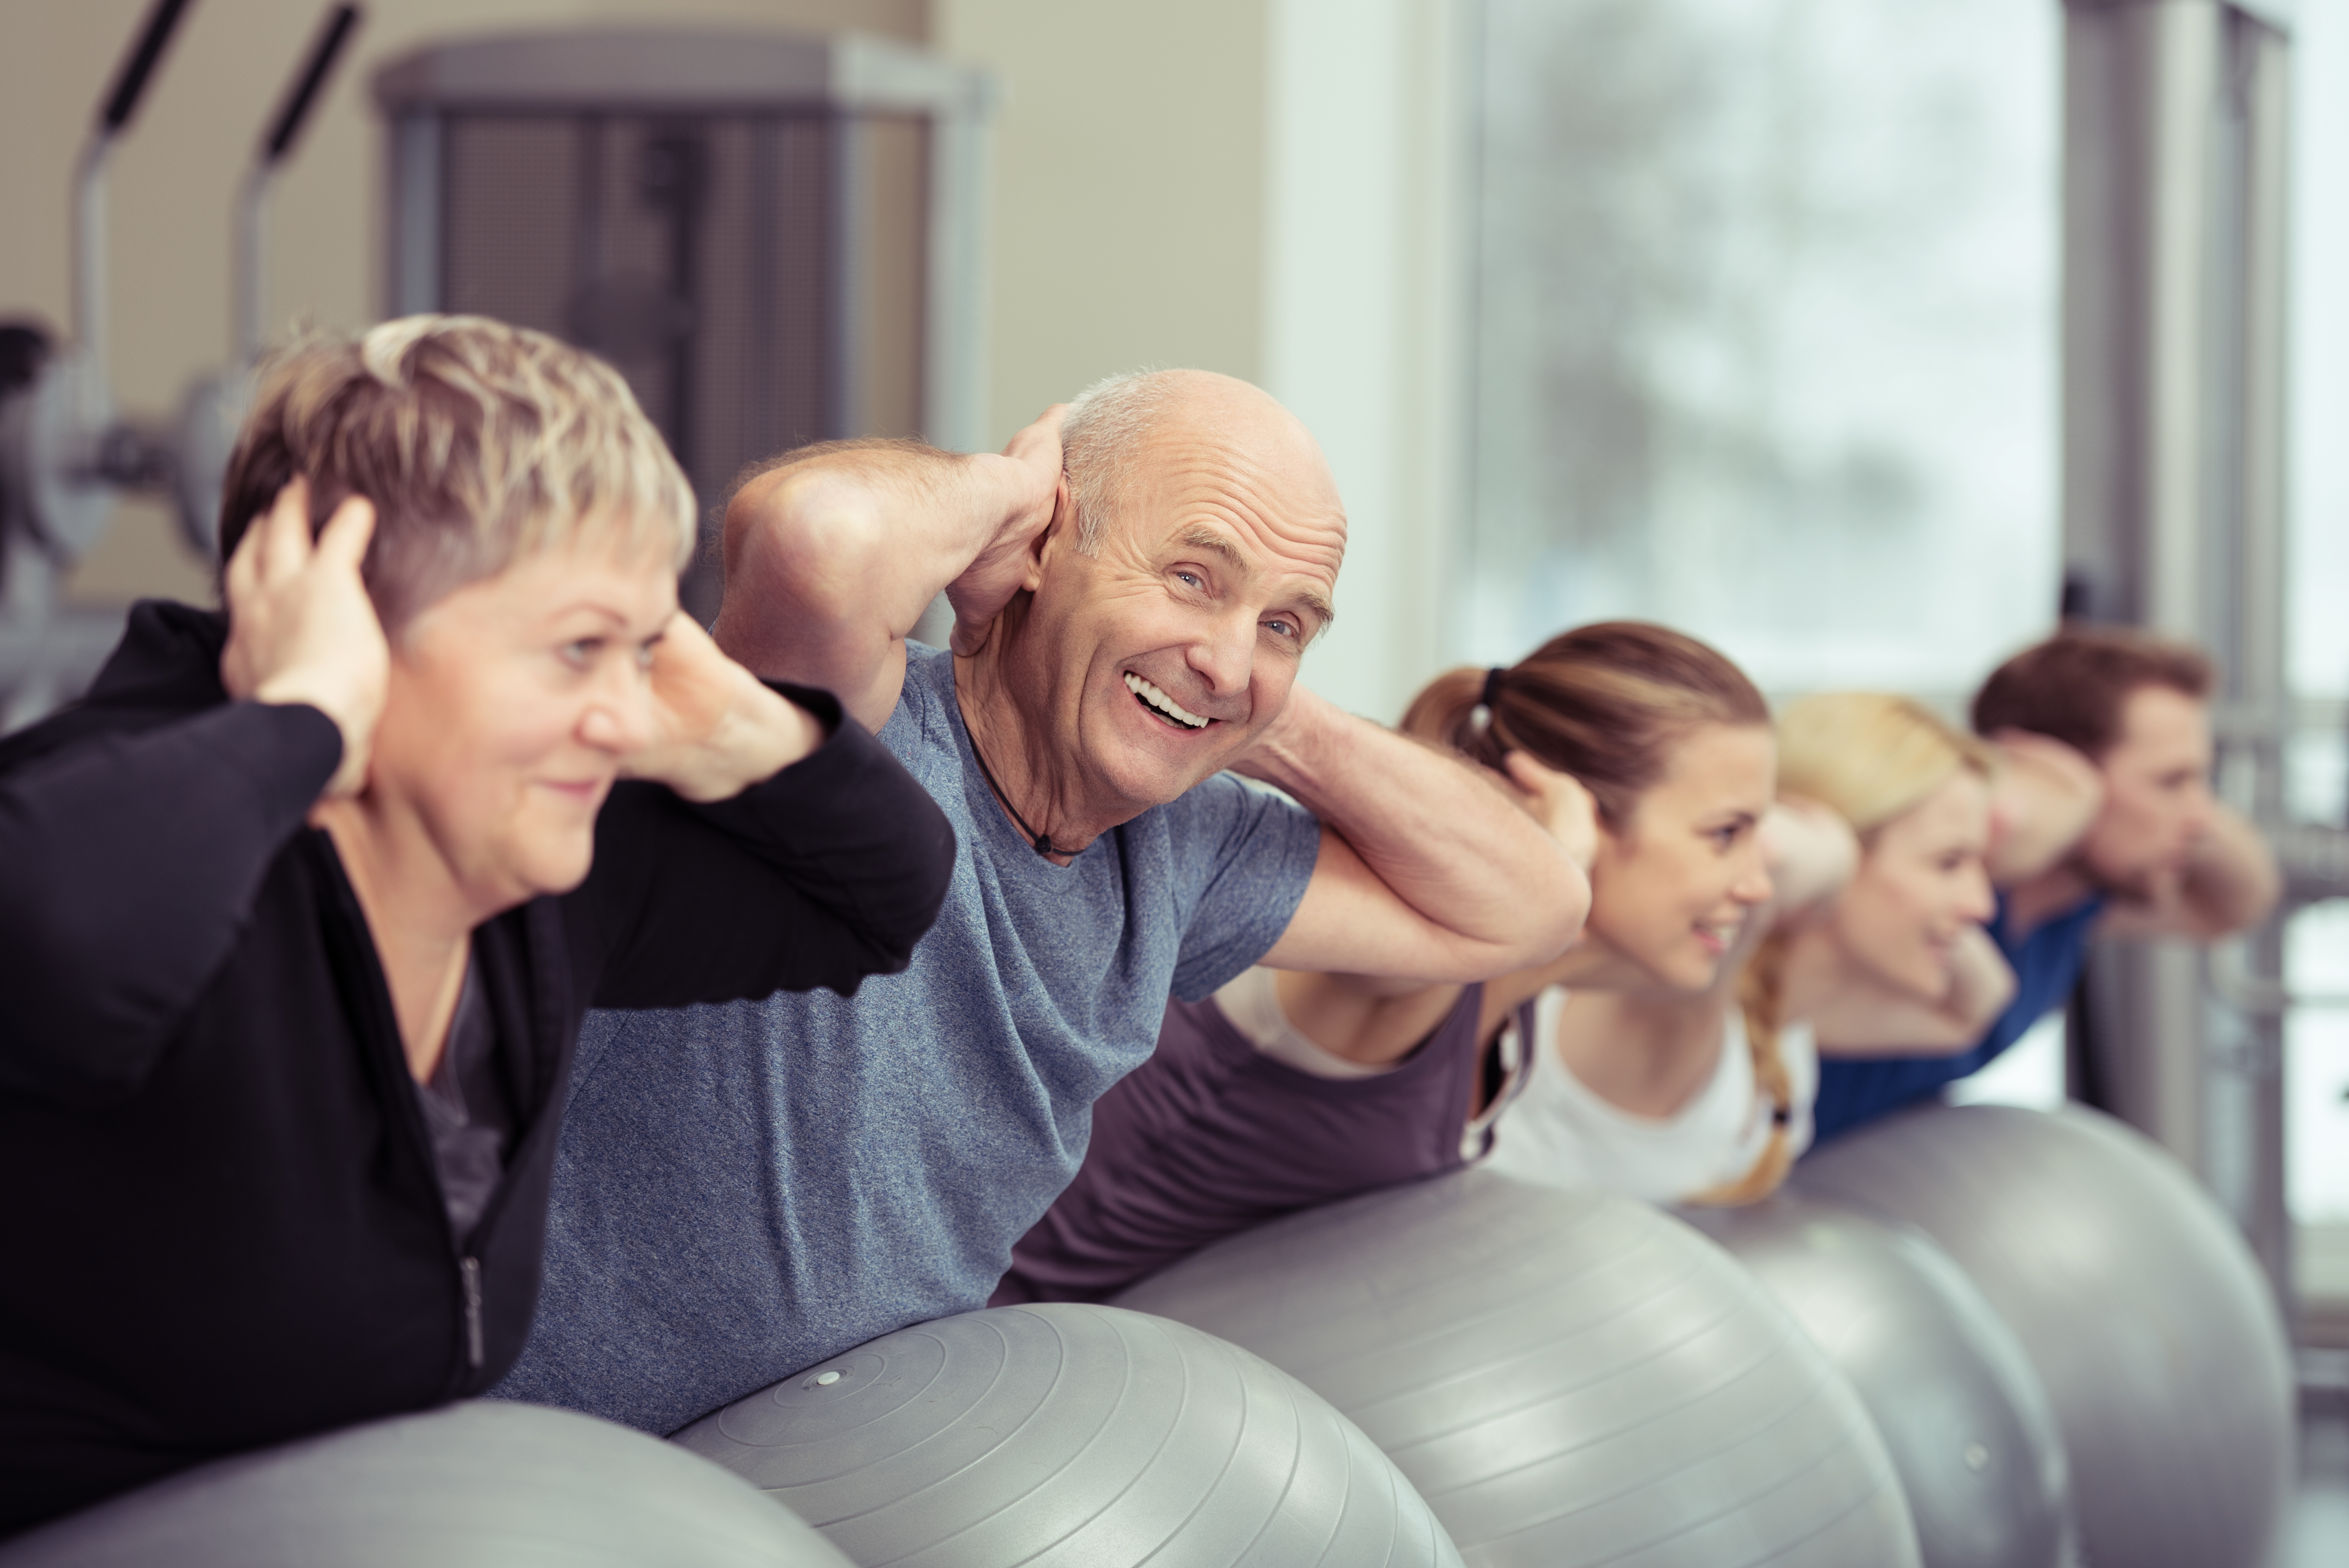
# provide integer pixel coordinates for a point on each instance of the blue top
(2046, 959)
(744, 1190)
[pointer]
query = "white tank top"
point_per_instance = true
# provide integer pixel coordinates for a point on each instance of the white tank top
(1560, 1134)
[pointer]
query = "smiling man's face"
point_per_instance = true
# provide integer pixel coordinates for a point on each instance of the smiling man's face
(1166, 653)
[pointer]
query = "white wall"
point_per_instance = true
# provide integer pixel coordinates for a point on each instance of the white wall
(1365, 311)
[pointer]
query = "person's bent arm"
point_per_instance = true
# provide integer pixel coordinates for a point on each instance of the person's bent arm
(1376, 1019)
(1426, 870)
(790, 850)
(1866, 1022)
(1811, 853)
(133, 858)
(2229, 883)
(2045, 796)
(832, 554)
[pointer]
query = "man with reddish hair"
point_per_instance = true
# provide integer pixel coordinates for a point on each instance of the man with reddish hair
(2106, 826)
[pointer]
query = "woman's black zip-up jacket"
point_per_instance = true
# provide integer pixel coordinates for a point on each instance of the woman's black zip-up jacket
(221, 1223)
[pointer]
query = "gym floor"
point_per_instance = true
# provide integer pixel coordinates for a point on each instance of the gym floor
(2318, 1533)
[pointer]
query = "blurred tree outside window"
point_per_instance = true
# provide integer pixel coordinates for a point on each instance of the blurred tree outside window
(1766, 331)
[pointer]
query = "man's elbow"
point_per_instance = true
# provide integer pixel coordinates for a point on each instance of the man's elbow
(2254, 897)
(1550, 910)
(805, 540)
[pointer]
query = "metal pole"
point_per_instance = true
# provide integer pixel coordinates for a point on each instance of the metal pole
(2260, 99)
(2175, 132)
(2139, 82)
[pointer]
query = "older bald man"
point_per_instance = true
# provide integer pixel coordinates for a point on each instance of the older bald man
(743, 1191)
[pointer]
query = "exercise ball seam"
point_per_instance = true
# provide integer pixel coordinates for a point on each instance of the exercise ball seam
(1600, 1375)
(1762, 1358)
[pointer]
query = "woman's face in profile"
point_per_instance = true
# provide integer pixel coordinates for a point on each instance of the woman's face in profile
(1920, 885)
(512, 701)
(1673, 889)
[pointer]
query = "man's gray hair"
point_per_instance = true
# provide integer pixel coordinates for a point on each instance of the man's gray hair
(1102, 438)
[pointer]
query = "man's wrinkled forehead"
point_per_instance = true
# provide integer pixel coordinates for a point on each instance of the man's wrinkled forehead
(1253, 470)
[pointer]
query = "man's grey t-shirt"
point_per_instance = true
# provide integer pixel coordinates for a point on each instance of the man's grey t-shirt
(745, 1189)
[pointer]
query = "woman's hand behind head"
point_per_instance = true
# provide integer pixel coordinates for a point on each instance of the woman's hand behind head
(301, 626)
(1811, 853)
(1558, 803)
(712, 728)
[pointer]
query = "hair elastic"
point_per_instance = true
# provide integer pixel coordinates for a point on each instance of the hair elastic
(1492, 687)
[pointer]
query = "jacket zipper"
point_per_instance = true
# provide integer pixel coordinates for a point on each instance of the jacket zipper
(380, 1031)
(470, 1269)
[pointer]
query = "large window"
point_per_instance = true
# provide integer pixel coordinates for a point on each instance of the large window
(1766, 331)
(2317, 955)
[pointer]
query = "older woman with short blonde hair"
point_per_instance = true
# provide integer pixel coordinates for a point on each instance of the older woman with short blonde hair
(304, 904)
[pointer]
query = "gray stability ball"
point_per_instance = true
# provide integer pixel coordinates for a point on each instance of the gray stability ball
(2152, 1328)
(475, 1485)
(1062, 1436)
(1953, 1392)
(1569, 1378)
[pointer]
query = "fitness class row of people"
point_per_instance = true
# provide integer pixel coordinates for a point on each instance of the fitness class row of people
(447, 970)
(1794, 930)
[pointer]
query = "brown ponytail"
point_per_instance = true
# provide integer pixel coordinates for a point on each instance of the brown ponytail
(1606, 703)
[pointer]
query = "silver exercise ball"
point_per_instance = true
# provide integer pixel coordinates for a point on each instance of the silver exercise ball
(2153, 1330)
(1568, 1378)
(1064, 1435)
(476, 1485)
(1953, 1393)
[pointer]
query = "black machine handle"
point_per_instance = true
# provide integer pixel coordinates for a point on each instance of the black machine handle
(139, 66)
(334, 31)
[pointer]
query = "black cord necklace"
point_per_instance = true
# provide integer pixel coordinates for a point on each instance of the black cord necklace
(1041, 843)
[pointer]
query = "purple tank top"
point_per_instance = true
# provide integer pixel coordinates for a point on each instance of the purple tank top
(1210, 1136)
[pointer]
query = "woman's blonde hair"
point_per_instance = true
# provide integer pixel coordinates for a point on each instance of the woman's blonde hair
(1870, 757)
(477, 441)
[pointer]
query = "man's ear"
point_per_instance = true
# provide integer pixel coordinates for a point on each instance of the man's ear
(1060, 533)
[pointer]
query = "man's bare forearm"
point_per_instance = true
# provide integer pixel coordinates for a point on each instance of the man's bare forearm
(2232, 881)
(2229, 884)
(831, 559)
(2046, 795)
(1472, 885)
(1874, 1022)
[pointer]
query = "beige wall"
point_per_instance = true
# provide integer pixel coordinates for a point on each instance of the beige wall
(176, 172)
(1128, 209)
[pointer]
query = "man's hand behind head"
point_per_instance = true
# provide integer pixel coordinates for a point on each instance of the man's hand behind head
(1031, 471)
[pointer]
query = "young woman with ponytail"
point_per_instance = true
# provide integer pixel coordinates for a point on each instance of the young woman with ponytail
(1651, 756)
